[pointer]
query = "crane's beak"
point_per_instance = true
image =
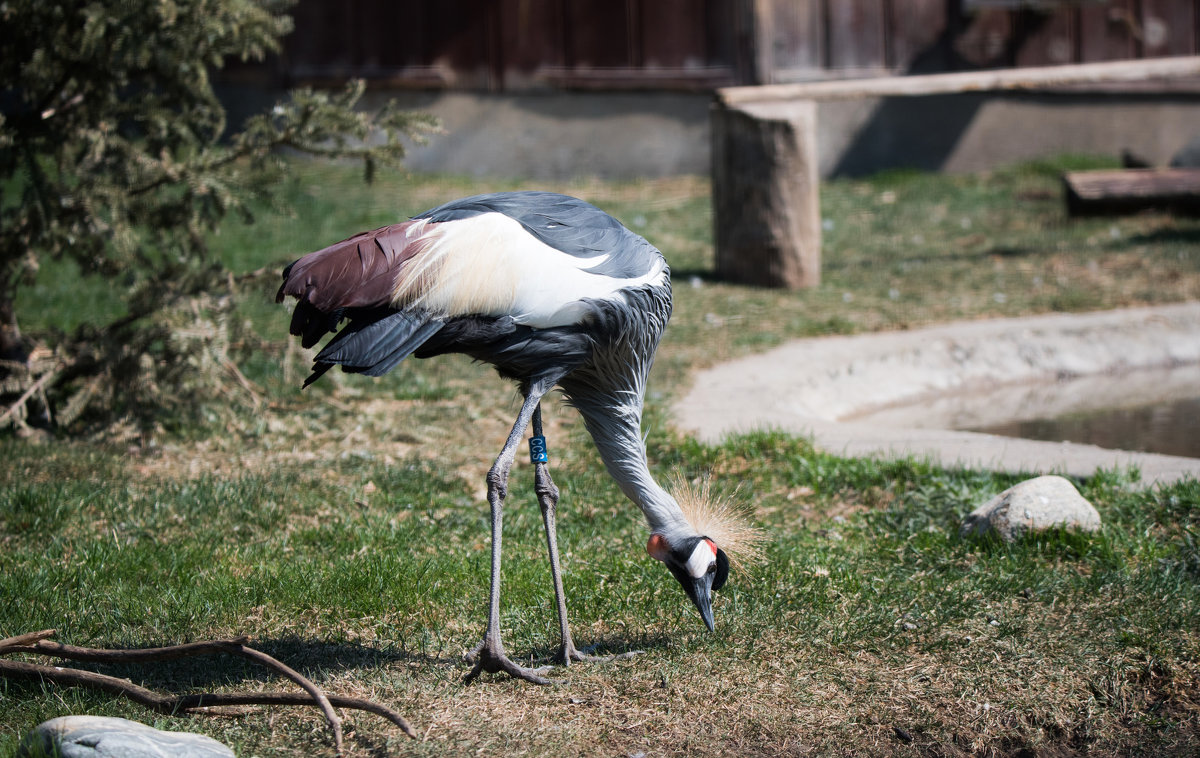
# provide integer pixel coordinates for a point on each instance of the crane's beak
(700, 591)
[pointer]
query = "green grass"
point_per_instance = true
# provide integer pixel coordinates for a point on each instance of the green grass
(869, 613)
(344, 528)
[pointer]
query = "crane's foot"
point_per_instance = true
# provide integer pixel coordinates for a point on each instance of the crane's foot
(492, 659)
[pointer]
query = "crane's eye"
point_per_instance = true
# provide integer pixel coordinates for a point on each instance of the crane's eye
(712, 568)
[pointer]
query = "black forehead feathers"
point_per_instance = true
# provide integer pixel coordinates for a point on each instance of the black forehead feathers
(722, 570)
(683, 552)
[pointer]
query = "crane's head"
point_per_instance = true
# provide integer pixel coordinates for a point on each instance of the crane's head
(696, 554)
(699, 566)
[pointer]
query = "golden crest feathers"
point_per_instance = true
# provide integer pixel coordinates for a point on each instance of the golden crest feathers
(721, 520)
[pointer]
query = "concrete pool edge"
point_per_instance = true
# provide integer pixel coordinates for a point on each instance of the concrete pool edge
(810, 387)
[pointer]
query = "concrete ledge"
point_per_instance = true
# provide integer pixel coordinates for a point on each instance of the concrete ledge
(830, 387)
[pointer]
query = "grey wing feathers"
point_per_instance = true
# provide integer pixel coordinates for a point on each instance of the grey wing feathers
(373, 346)
(566, 224)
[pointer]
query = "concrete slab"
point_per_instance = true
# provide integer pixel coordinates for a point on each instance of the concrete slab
(870, 395)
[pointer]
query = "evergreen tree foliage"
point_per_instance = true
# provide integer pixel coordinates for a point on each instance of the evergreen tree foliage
(115, 153)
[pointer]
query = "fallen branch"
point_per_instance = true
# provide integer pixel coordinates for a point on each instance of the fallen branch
(38, 643)
(247, 385)
(28, 393)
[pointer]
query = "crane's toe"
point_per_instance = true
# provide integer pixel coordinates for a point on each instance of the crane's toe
(491, 659)
(571, 654)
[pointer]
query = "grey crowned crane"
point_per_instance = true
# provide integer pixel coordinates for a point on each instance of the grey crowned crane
(552, 292)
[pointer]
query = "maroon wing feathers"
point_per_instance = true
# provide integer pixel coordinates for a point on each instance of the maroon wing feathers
(359, 272)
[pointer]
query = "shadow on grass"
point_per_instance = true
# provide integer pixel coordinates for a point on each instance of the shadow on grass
(706, 275)
(1171, 235)
(312, 658)
(929, 256)
(603, 647)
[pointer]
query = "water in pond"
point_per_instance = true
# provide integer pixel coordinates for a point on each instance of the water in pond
(1172, 428)
(1150, 410)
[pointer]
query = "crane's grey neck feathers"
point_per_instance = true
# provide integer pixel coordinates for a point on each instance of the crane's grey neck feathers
(609, 392)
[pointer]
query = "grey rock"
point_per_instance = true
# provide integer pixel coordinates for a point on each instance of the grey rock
(1188, 155)
(1033, 505)
(103, 737)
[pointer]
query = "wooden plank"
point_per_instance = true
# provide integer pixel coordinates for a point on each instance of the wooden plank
(691, 79)
(1132, 190)
(917, 27)
(796, 37)
(1106, 32)
(856, 34)
(724, 26)
(986, 39)
(1046, 39)
(970, 81)
(674, 34)
(532, 32)
(598, 33)
(457, 34)
(319, 39)
(531, 38)
(1168, 27)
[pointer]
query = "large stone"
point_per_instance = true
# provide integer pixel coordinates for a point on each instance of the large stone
(103, 737)
(1034, 505)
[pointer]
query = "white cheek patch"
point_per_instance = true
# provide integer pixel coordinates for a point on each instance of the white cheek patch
(702, 557)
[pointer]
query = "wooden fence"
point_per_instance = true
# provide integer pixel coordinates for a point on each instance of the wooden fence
(521, 45)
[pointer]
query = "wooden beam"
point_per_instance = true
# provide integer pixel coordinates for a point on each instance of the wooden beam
(1132, 190)
(969, 81)
(766, 215)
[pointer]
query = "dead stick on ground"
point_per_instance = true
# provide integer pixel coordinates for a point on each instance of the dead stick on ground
(235, 646)
(24, 640)
(171, 704)
(247, 385)
(29, 393)
(37, 643)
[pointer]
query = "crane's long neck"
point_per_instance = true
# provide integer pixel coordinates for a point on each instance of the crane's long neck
(614, 419)
(609, 392)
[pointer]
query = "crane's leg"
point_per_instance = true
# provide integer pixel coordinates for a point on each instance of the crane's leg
(547, 494)
(489, 655)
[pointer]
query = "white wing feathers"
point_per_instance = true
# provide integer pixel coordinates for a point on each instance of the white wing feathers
(489, 265)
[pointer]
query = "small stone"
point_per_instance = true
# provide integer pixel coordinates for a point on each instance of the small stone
(1034, 505)
(1188, 155)
(104, 737)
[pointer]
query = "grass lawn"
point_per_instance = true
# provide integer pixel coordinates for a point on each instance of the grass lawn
(345, 530)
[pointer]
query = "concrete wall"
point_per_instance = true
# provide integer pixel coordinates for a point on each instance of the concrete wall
(566, 135)
(974, 132)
